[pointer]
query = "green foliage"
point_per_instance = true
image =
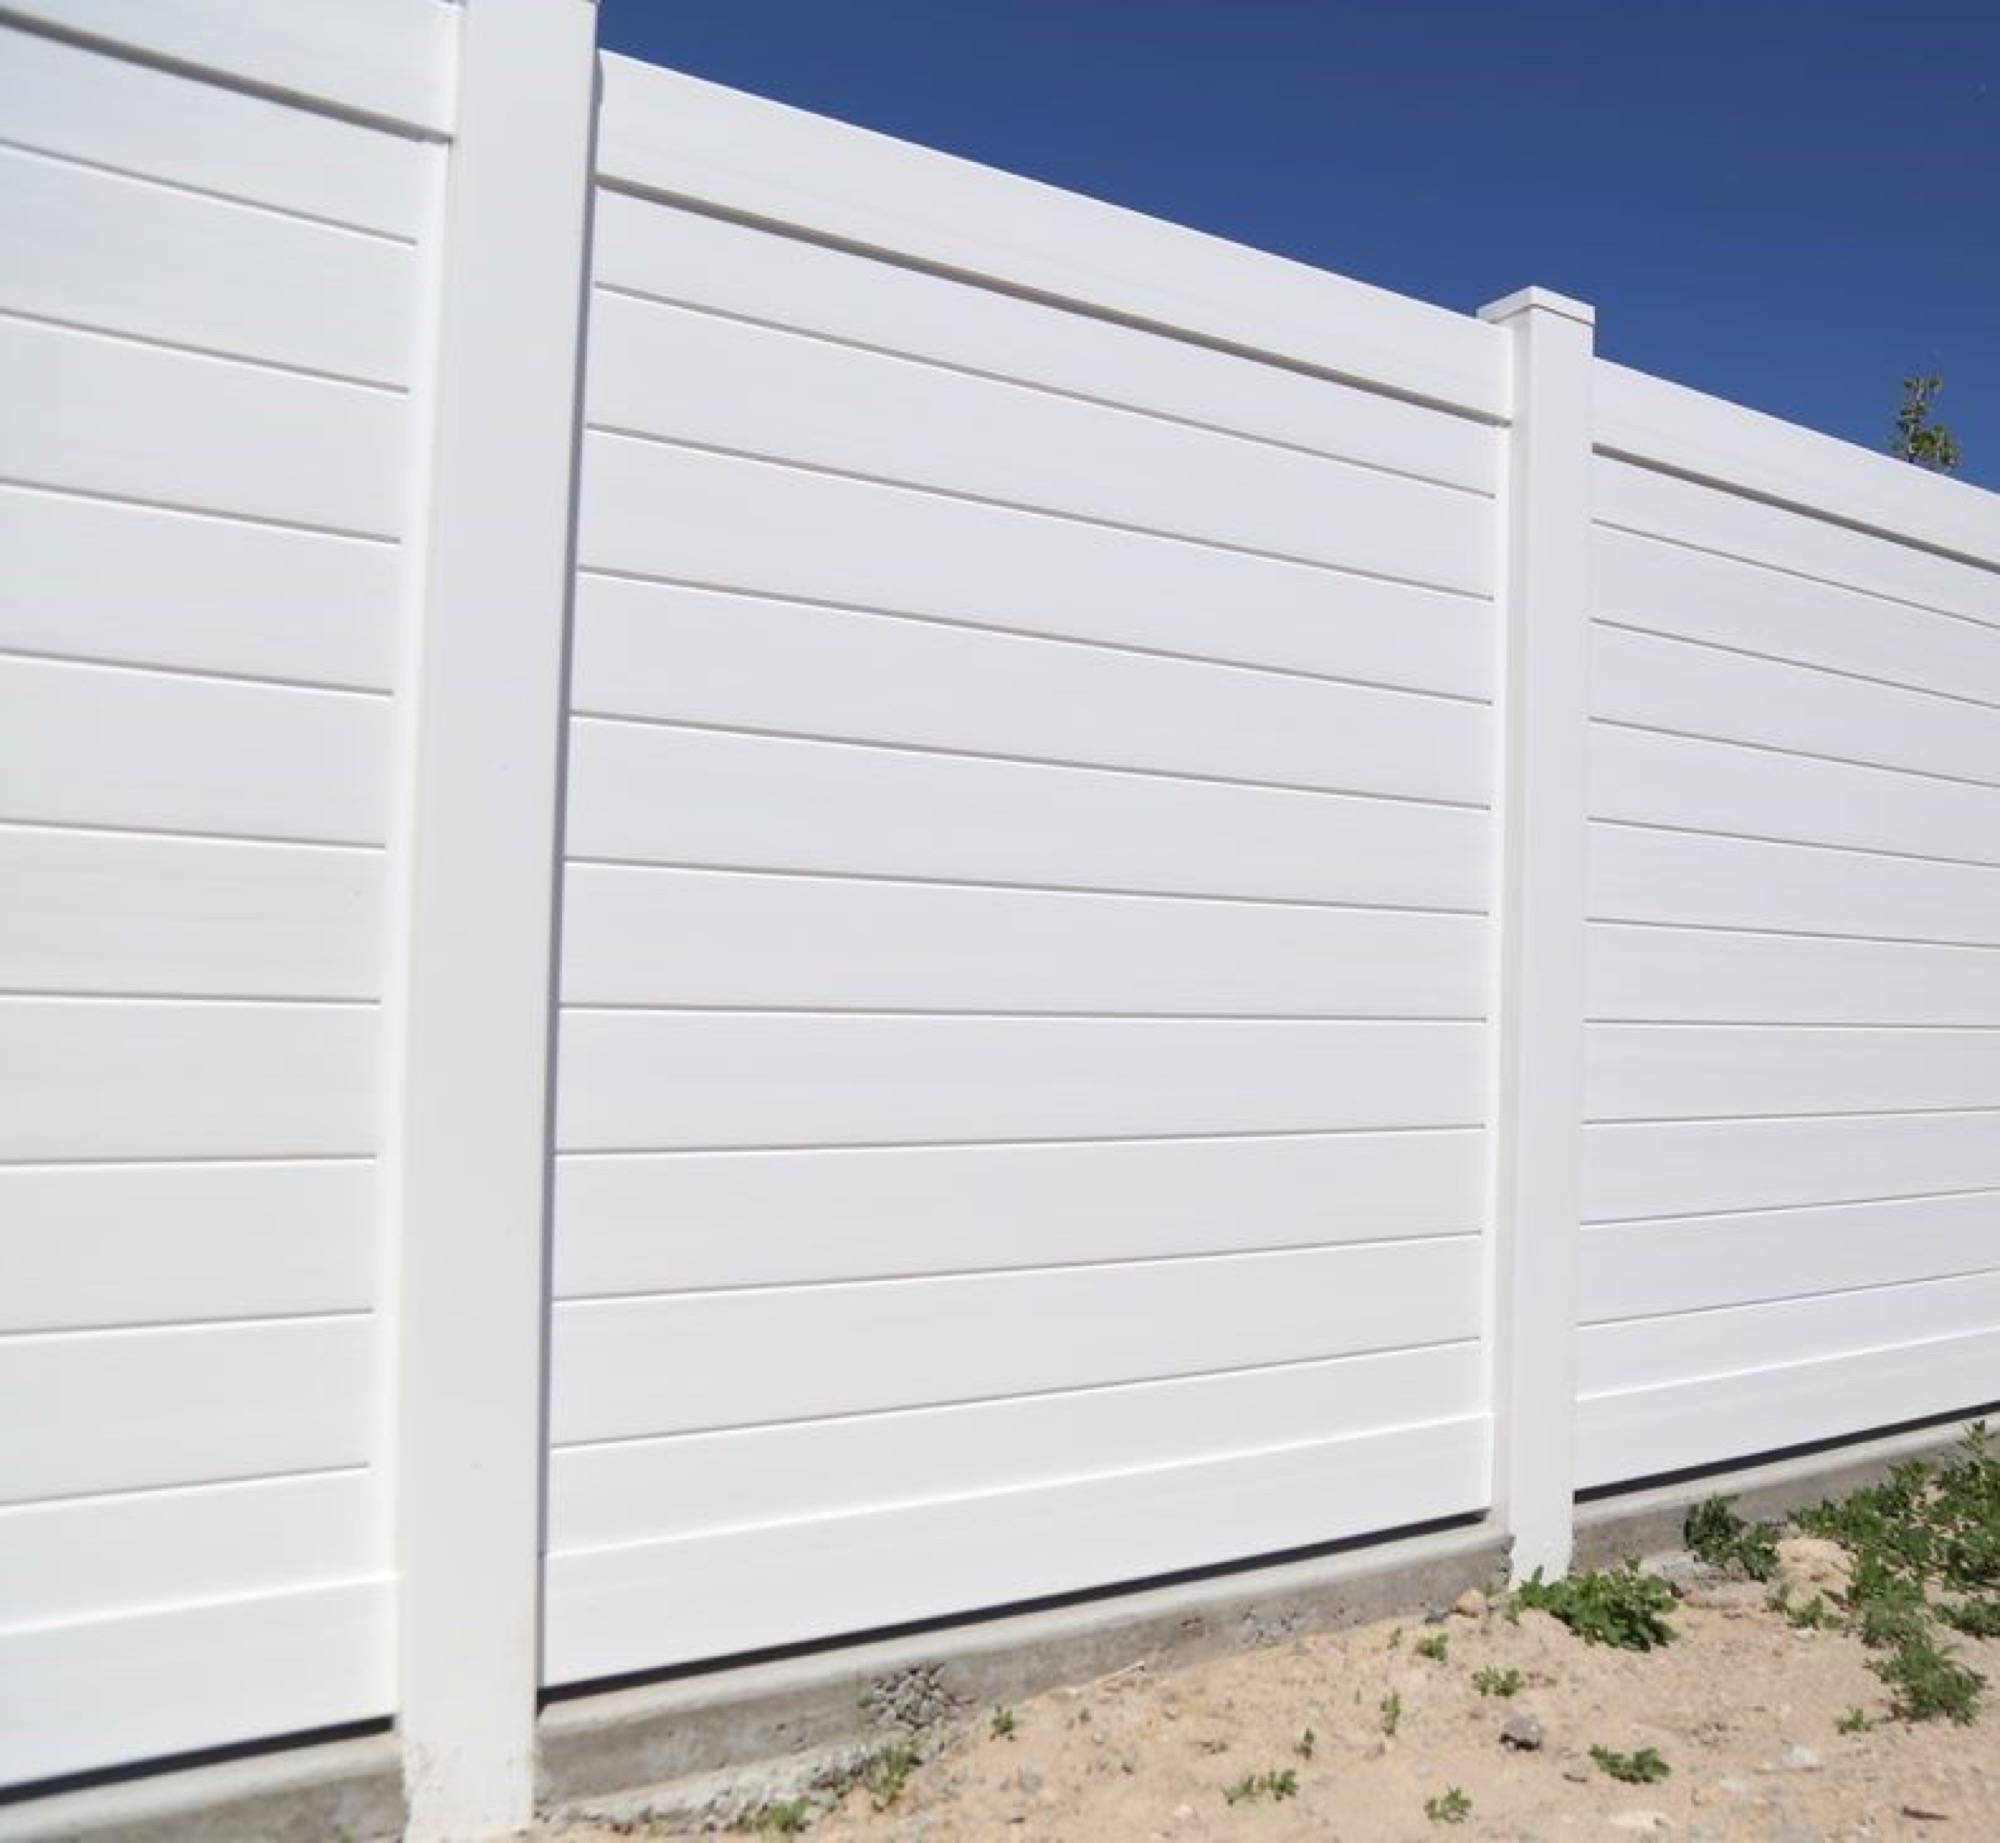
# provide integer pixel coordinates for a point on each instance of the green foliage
(1277, 1786)
(1721, 1538)
(1924, 1527)
(1434, 1647)
(1391, 1712)
(1306, 1745)
(788, 1819)
(1855, 1721)
(1491, 1682)
(1003, 1725)
(1451, 1806)
(1975, 1618)
(887, 1771)
(1642, 1768)
(1610, 1606)
(1928, 1683)
(1919, 437)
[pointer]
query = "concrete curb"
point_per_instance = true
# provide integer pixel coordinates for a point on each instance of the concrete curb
(699, 1725)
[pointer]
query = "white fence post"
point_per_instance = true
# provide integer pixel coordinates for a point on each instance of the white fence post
(482, 884)
(1539, 1104)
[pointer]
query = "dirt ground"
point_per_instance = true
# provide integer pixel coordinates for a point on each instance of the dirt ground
(1745, 1708)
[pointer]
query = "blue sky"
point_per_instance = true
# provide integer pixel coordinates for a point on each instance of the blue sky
(1793, 203)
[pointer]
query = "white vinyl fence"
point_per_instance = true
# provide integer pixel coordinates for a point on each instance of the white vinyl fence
(757, 885)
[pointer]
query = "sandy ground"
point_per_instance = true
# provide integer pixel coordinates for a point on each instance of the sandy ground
(1744, 1707)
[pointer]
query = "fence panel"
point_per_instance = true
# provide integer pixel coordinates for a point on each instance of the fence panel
(1792, 1230)
(209, 311)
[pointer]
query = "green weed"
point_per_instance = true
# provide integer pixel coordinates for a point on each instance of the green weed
(1610, 1606)
(1715, 1533)
(1451, 1806)
(1306, 1745)
(787, 1819)
(1642, 1768)
(1391, 1712)
(1434, 1647)
(1003, 1725)
(1491, 1682)
(1277, 1786)
(886, 1772)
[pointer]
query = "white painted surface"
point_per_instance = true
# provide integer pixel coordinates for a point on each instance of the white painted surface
(1794, 977)
(208, 315)
(1057, 705)
(474, 987)
(1537, 1052)
(1025, 941)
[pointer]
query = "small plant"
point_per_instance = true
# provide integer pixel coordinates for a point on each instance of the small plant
(1277, 1786)
(788, 1819)
(887, 1771)
(1855, 1721)
(1718, 1536)
(1928, 1683)
(1306, 1745)
(1434, 1647)
(1396, 1638)
(1491, 1682)
(1392, 1713)
(1003, 1725)
(1975, 1618)
(1451, 1806)
(1642, 1768)
(1612, 1606)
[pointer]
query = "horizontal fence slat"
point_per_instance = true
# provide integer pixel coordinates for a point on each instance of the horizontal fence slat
(632, 1367)
(1638, 1432)
(1642, 1073)
(660, 130)
(1649, 1352)
(1684, 430)
(137, 585)
(1638, 874)
(1701, 975)
(106, 1692)
(85, 105)
(648, 794)
(1666, 684)
(93, 912)
(389, 58)
(186, 1404)
(1709, 518)
(1676, 1168)
(685, 655)
(89, 746)
(133, 1244)
(96, 249)
(627, 1608)
(866, 545)
(102, 1557)
(662, 937)
(646, 247)
(132, 1078)
(1689, 1263)
(699, 1219)
(1667, 588)
(689, 377)
(633, 1081)
(88, 413)
(650, 1490)
(1639, 776)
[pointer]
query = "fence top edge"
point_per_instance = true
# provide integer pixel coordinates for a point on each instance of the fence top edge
(1679, 430)
(680, 137)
